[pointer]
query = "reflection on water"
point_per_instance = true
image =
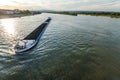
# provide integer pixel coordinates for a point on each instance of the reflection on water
(7, 34)
(8, 25)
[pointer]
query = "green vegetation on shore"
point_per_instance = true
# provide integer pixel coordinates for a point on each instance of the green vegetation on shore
(66, 13)
(109, 14)
(16, 13)
(92, 13)
(20, 13)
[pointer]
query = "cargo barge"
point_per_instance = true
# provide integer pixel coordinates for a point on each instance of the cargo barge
(32, 39)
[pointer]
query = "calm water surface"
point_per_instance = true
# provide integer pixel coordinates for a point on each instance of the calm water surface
(72, 48)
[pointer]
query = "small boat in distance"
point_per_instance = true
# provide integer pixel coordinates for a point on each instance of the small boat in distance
(32, 39)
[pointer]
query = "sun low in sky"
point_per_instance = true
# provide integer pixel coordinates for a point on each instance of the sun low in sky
(61, 4)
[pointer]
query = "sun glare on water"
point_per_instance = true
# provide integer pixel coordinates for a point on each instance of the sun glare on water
(8, 28)
(8, 25)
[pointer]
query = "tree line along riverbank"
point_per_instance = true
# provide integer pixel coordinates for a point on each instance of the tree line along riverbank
(108, 14)
(21, 13)
(16, 13)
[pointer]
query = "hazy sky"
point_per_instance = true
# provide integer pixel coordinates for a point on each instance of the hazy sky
(61, 4)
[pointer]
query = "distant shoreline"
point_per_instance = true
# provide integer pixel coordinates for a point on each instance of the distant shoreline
(14, 16)
(16, 13)
(106, 14)
(92, 13)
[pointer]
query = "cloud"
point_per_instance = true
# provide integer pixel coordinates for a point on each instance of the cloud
(62, 4)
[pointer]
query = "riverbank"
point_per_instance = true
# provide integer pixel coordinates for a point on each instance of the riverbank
(4, 16)
(16, 13)
(107, 14)
(65, 13)
(10, 16)
(14, 16)
(75, 13)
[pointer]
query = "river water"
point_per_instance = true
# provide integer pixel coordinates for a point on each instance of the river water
(72, 48)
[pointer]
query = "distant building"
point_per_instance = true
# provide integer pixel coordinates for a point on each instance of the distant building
(16, 11)
(6, 11)
(9, 12)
